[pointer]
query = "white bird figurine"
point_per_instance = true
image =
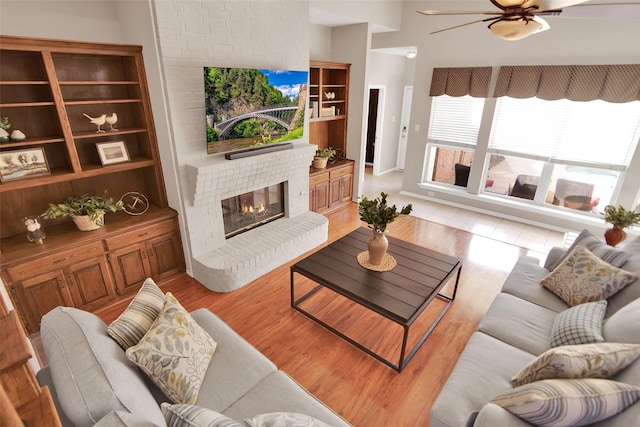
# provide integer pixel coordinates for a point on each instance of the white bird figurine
(98, 121)
(112, 120)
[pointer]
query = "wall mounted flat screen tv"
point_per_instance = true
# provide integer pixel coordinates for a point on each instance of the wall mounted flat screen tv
(253, 107)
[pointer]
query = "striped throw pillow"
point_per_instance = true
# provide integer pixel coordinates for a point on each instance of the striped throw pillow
(129, 328)
(185, 415)
(564, 403)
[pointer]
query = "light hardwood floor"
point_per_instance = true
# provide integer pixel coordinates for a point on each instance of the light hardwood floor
(361, 389)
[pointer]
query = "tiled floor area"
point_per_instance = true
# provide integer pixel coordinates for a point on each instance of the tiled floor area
(527, 236)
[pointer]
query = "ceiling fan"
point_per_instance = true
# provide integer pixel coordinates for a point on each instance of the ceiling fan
(516, 19)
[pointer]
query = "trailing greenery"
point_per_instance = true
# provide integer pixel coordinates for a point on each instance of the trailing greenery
(377, 214)
(325, 153)
(93, 206)
(619, 216)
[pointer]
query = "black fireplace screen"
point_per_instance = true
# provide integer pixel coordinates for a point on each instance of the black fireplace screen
(253, 209)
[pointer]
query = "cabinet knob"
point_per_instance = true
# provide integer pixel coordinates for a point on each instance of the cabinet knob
(58, 261)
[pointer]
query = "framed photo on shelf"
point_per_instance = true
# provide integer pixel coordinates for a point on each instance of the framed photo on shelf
(112, 152)
(19, 164)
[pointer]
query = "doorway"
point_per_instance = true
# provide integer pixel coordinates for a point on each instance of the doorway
(374, 127)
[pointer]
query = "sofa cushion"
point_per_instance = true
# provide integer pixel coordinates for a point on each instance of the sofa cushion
(493, 416)
(524, 282)
(90, 371)
(123, 419)
(624, 325)
(175, 352)
(284, 419)
(129, 328)
(583, 277)
(564, 403)
(484, 370)
(581, 324)
(613, 256)
(529, 324)
(185, 415)
(602, 360)
(280, 393)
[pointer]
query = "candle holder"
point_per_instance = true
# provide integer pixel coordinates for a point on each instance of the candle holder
(35, 231)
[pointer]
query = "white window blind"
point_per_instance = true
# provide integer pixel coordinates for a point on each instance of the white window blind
(595, 133)
(455, 120)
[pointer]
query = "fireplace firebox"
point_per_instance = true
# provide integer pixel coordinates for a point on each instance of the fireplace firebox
(250, 210)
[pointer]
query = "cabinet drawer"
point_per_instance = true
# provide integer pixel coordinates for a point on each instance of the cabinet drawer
(20, 272)
(317, 179)
(347, 170)
(140, 235)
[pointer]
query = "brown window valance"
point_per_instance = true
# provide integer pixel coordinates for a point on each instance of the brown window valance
(612, 83)
(473, 81)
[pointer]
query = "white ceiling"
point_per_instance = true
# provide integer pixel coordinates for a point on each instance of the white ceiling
(623, 9)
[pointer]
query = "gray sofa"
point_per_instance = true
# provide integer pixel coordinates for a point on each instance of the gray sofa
(515, 330)
(93, 382)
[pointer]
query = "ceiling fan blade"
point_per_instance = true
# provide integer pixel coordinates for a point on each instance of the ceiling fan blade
(504, 4)
(458, 12)
(602, 11)
(543, 5)
(464, 25)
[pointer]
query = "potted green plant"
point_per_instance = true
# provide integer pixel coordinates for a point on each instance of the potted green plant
(4, 129)
(86, 211)
(378, 215)
(620, 218)
(322, 156)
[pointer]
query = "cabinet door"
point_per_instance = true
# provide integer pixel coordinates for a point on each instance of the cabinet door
(346, 188)
(130, 267)
(319, 196)
(335, 195)
(36, 296)
(165, 256)
(90, 283)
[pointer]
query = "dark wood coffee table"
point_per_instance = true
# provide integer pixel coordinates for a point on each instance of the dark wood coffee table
(399, 295)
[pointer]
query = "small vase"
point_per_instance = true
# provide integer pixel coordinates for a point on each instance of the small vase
(377, 246)
(615, 235)
(85, 224)
(35, 232)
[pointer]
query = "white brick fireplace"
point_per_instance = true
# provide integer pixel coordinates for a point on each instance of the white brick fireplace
(224, 265)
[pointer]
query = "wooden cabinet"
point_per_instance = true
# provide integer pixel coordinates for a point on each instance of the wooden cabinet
(47, 90)
(332, 187)
(92, 269)
(153, 251)
(329, 103)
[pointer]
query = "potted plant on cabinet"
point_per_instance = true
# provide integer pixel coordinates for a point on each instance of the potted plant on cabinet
(86, 211)
(379, 215)
(322, 156)
(620, 218)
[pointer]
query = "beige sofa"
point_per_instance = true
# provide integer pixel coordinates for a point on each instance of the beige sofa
(516, 330)
(94, 383)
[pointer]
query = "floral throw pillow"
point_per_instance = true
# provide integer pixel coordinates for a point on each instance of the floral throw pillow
(602, 360)
(175, 353)
(583, 277)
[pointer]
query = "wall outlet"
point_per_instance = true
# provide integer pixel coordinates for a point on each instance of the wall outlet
(431, 194)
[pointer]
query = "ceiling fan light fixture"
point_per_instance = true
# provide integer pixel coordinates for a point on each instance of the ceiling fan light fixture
(411, 54)
(516, 28)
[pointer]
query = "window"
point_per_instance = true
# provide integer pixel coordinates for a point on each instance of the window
(453, 132)
(584, 145)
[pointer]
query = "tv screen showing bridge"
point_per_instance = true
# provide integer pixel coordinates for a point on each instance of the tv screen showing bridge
(252, 107)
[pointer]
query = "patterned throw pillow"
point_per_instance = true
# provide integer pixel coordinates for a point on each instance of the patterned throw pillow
(183, 415)
(564, 403)
(284, 419)
(175, 353)
(603, 360)
(613, 256)
(129, 328)
(583, 277)
(581, 324)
